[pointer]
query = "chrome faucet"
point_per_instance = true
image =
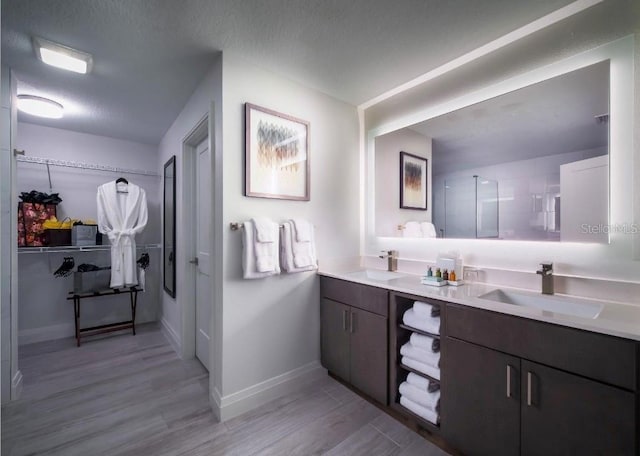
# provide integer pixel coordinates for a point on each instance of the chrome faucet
(546, 271)
(392, 259)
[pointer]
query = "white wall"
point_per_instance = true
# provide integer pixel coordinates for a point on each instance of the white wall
(272, 326)
(388, 147)
(44, 312)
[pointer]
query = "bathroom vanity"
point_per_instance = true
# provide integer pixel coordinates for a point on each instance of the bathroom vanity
(514, 379)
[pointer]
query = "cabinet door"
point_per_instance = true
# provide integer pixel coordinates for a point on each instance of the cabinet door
(369, 353)
(335, 337)
(480, 405)
(563, 414)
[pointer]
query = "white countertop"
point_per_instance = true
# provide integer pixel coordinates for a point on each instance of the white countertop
(616, 319)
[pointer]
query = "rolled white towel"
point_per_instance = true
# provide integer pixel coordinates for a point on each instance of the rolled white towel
(412, 229)
(425, 342)
(429, 415)
(428, 229)
(423, 309)
(431, 371)
(422, 383)
(421, 397)
(427, 324)
(419, 354)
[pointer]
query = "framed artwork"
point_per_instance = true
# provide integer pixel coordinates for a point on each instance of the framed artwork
(413, 182)
(276, 155)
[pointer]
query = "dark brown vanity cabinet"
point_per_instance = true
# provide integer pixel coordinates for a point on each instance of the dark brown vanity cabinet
(354, 322)
(517, 386)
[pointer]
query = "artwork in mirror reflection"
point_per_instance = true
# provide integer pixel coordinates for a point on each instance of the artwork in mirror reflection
(532, 164)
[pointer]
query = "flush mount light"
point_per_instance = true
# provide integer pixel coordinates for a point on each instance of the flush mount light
(61, 56)
(39, 106)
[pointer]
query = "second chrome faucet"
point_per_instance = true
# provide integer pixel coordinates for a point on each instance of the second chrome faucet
(546, 271)
(392, 259)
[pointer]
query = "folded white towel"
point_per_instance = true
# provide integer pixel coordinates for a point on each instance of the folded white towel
(421, 355)
(412, 229)
(264, 229)
(429, 415)
(423, 309)
(303, 230)
(428, 229)
(423, 342)
(304, 252)
(427, 324)
(418, 381)
(249, 261)
(286, 251)
(433, 372)
(421, 397)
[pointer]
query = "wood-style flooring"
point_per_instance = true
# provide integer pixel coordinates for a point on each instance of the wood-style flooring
(132, 395)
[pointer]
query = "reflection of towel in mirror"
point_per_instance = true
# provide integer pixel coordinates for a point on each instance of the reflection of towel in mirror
(249, 254)
(428, 230)
(287, 251)
(412, 229)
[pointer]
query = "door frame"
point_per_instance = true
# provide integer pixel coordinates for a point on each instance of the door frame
(203, 129)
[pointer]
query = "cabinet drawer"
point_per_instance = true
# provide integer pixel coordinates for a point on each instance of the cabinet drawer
(364, 297)
(597, 356)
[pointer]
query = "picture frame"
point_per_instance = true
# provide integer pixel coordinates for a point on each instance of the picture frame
(277, 159)
(413, 182)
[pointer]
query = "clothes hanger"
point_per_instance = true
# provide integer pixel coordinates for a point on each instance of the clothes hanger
(122, 180)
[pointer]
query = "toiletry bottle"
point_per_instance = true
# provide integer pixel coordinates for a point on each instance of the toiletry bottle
(445, 275)
(438, 273)
(429, 272)
(452, 276)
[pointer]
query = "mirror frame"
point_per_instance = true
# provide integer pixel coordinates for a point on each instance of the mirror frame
(169, 281)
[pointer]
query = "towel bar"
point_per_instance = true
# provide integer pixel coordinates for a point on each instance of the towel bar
(235, 226)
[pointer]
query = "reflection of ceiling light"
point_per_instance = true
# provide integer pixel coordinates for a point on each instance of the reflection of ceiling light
(61, 56)
(39, 106)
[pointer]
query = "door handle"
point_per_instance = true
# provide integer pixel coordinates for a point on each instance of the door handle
(529, 400)
(508, 380)
(344, 320)
(194, 261)
(352, 324)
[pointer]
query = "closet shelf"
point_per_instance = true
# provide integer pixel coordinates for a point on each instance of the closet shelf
(83, 248)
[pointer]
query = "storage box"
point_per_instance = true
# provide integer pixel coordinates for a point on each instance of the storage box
(85, 235)
(56, 237)
(90, 281)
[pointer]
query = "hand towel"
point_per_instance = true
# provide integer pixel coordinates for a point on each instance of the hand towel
(431, 371)
(249, 261)
(425, 342)
(304, 252)
(421, 397)
(429, 415)
(303, 230)
(427, 324)
(426, 309)
(422, 383)
(286, 251)
(428, 230)
(412, 229)
(419, 354)
(264, 229)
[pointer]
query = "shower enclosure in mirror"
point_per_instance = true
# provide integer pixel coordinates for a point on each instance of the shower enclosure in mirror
(540, 154)
(169, 227)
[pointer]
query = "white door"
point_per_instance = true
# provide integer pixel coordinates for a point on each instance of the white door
(203, 240)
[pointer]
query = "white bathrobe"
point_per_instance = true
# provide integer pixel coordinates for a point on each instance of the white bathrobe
(121, 216)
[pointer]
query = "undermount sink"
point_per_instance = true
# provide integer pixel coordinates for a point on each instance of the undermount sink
(556, 304)
(375, 274)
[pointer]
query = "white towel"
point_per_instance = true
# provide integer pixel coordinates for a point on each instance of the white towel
(431, 371)
(423, 309)
(421, 355)
(141, 278)
(412, 229)
(427, 324)
(264, 229)
(303, 230)
(286, 251)
(428, 229)
(429, 415)
(421, 397)
(421, 341)
(249, 262)
(419, 382)
(304, 252)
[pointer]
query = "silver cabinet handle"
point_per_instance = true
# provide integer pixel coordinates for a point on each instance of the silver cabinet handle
(344, 320)
(508, 381)
(353, 317)
(529, 401)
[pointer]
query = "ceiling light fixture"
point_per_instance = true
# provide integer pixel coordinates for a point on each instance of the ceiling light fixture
(61, 56)
(39, 106)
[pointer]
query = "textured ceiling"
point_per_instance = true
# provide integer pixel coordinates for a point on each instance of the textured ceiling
(149, 55)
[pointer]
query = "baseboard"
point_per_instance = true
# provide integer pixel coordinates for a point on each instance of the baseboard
(247, 399)
(215, 399)
(16, 386)
(172, 336)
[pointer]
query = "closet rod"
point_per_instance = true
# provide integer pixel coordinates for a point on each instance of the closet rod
(80, 165)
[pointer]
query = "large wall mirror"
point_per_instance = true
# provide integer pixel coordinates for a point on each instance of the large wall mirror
(169, 227)
(532, 164)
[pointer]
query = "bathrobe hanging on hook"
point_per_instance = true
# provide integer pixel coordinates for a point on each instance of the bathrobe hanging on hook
(122, 213)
